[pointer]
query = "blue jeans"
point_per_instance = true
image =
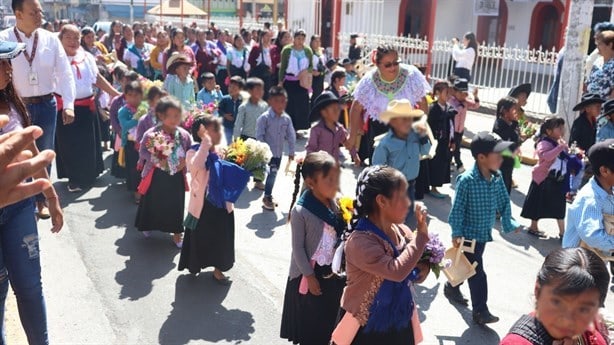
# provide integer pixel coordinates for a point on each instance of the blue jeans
(270, 179)
(44, 115)
(228, 134)
(20, 264)
(411, 193)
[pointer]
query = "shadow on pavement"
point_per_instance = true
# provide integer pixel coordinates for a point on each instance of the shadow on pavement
(247, 197)
(265, 222)
(198, 314)
(424, 298)
(148, 259)
(485, 334)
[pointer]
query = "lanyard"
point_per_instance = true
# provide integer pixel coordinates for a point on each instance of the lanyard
(29, 58)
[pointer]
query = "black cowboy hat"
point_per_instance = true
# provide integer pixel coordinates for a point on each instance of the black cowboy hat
(330, 63)
(322, 101)
(461, 84)
(588, 99)
(518, 89)
(347, 61)
(607, 108)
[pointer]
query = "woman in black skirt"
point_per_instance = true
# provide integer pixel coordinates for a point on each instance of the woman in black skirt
(163, 186)
(546, 196)
(296, 62)
(210, 237)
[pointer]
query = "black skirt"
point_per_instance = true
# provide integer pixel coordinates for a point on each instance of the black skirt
(212, 243)
(133, 176)
(439, 166)
(403, 336)
(545, 200)
(309, 319)
(79, 154)
(161, 208)
(423, 181)
(117, 171)
(298, 104)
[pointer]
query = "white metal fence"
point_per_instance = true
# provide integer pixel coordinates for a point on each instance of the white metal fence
(230, 23)
(496, 70)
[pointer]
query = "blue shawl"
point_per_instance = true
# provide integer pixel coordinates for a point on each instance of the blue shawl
(313, 205)
(226, 181)
(393, 304)
(140, 68)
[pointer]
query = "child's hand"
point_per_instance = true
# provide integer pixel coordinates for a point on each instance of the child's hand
(229, 117)
(314, 285)
(421, 217)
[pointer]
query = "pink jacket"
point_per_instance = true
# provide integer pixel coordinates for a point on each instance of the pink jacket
(547, 154)
(461, 108)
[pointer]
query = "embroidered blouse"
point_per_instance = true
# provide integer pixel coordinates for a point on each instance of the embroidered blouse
(374, 94)
(601, 80)
(326, 249)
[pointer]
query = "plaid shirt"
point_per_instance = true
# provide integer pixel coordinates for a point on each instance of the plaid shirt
(475, 206)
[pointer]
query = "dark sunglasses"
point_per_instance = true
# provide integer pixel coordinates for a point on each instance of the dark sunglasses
(393, 63)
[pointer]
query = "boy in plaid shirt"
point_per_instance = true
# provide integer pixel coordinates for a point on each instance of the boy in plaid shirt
(480, 194)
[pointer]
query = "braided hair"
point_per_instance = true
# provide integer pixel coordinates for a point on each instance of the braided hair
(320, 162)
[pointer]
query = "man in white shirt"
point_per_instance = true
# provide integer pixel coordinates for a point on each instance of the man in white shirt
(42, 70)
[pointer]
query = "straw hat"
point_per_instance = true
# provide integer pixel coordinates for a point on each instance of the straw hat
(400, 108)
(175, 60)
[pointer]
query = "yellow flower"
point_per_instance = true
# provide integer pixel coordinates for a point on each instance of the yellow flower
(346, 204)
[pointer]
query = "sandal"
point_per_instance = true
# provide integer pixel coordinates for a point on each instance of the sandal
(536, 233)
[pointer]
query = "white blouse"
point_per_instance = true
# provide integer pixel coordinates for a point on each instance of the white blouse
(85, 73)
(464, 57)
(266, 53)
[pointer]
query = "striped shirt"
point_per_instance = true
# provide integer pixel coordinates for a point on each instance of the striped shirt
(476, 204)
(585, 218)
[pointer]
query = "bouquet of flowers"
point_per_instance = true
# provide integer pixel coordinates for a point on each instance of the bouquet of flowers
(148, 84)
(527, 128)
(434, 254)
(346, 206)
(141, 110)
(161, 146)
(251, 155)
(196, 111)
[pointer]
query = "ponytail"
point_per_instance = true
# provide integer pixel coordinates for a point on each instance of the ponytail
(297, 187)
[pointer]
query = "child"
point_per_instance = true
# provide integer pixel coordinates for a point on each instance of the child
(328, 134)
(274, 127)
(605, 127)
(480, 194)
(350, 73)
(313, 291)
(229, 106)
(123, 77)
(210, 93)
(546, 196)
(441, 120)
(134, 96)
(149, 120)
(381, 256)
(337, 83)
(163, 186)
(461, 102)
(585, 221)
(506, 126)
(209, 241)
(521, 93)
(571, 286)
(248, 113)
(404, 144)
(583, 130)
(331, 66)
(179, 82)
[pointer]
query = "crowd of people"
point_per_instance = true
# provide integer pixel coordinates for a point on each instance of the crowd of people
(135, 90)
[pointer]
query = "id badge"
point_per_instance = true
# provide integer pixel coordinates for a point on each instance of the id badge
(33, 78)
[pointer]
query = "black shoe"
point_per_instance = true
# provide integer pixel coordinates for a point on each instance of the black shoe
(454, 295)
(484, 318)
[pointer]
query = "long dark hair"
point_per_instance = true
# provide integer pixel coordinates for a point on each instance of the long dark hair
(506, 103)
(280, 35)
(374, 181)
(572, 271)
(473, 43)
(173, 48)
(550, 123)
(86, 31)
(314, 163)
(9, 95)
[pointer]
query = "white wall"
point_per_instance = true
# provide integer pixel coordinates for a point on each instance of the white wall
(519, 23)
(391, 17)
(367, 16)
(301, 15)
(453, 18)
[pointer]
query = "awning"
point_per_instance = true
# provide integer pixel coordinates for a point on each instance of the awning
(173, 8)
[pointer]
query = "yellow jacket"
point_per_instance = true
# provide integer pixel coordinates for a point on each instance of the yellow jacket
(104, 52)
(153, 59)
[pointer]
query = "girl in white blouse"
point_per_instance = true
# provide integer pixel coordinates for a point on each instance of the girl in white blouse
(238, 57)
(465, 55)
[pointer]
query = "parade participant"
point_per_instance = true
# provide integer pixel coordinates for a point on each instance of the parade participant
(222, 71)
(521, 93)
(248, 113)
(462, 102)
(506, 126)
(391, 80)
(112, 39)
(156, 59)
(282, 40)
(79, 153)
(355, 52)
(319, 67)
(261, 63)
(274, 127)
(328, 134)
(94, 47)
(210, 93)
(124, 77)
(585, 221)
(583, 130)
(134, 97)
(350, 72)
(381, 255)
(546, 195)
(480, 194)
(294, 75)
(149, 120)
(164, 184)
(19, 249)
(229, 106)
(205, 54)
(441, 120)
(177, 45)
(238, 56)
(605, 125)
(313, 291)
(40, 71)
(464, 55)
(571, 286)
(210, 236)
(601, 80)
(404, 144)
(137, 56)
(178, 82)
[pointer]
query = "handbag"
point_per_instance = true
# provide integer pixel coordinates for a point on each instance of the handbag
(305, 79)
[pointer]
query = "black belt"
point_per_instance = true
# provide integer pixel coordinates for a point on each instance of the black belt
(37, 99)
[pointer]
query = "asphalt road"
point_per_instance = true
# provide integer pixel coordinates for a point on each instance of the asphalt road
(107, 284)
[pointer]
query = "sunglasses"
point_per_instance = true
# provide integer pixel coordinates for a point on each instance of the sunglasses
(392, 63)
